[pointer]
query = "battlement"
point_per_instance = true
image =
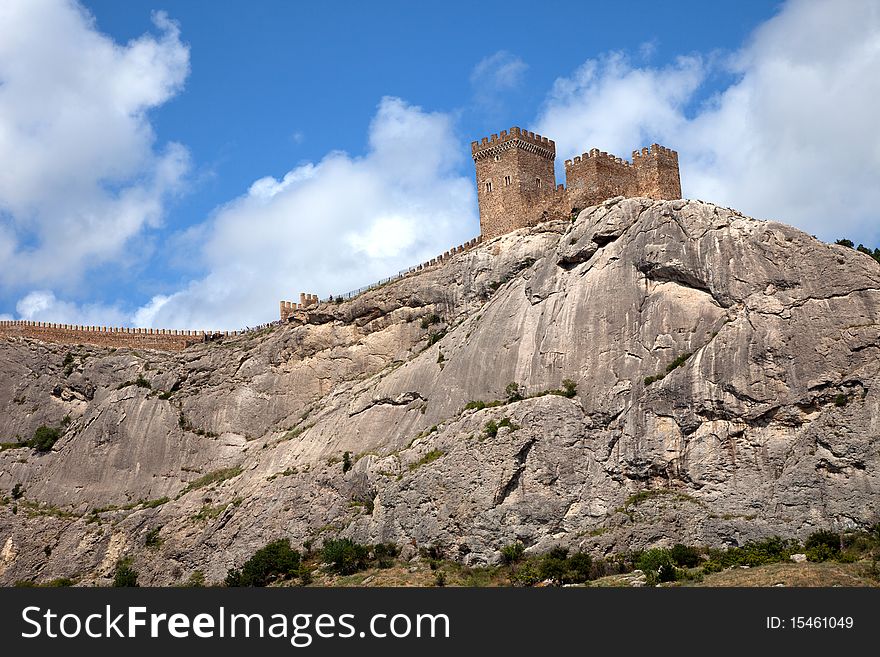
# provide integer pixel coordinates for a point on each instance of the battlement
(596, 154)
(515, 138)
(104, 336)
(306, 300)
(654, 150)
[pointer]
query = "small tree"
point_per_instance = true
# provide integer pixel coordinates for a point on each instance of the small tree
(17, 492)
(344, 556)
(514, 392)
(44, 438)
(512, 553)
(346, 462)
(276, 560)
(125, 575)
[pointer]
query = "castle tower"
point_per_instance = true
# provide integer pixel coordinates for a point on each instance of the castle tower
(516, 181)
(656, 171)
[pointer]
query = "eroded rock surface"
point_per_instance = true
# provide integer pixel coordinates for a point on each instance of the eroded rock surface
(764, 423)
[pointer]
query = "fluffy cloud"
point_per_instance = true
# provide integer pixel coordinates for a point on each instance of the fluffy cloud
(330, 226)
(793, 138)
(87, 174)
(43, 306)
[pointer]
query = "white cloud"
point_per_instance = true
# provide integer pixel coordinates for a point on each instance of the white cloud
(793, 138)
(43, 306)
(499, 73)
(87, 174)
(610, 105)
(330, 226)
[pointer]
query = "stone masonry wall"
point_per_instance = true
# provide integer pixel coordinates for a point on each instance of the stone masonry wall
(102, 336)
(657, 172)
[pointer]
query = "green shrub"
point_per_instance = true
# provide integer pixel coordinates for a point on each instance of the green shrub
(684, 555)
(385, 553)
(823, 537)
(140, 382)
(17, 492)
(59, 582)
(822, 545)
(125, 575)
(275, 561)
(152, 539)
(820, 553)
(554, 566)
(513, 392)
(491, 428)
(196, 580)
(430, 319)
(344, 556)
(840, 400)
(652, 560)
(512, 553)
(526, 574)
(44, 438)
(678, 362)
(667, 573)
(440, 578)
(346, 462)
(569, 388)
(580, 568)
(754, 553)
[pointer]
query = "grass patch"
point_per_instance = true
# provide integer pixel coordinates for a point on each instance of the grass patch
(140, 382)
(492, 427)
(16, 445)
(430, 457)
(285, 473)
(675, 364)
(211, 478)
(186, 425)
(295, 433)
(209, 512)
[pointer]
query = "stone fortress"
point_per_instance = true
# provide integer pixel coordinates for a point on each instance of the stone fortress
(516, 188)
(516, 180)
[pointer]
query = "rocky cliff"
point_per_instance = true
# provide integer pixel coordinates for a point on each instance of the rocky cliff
(726, 375)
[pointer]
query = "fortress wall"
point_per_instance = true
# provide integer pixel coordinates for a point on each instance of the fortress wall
(657, 172)
(595, 176)
(102, 336)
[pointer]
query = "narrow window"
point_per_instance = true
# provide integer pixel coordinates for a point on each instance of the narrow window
(497, 158)
(537, 183)
(507, 181)
(488, 185)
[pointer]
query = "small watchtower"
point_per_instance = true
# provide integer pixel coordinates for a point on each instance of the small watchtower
(515, 180)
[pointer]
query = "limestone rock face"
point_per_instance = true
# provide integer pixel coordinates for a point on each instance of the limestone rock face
(725, 371)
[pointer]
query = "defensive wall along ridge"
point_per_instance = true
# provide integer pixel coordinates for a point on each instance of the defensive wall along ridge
(103, 336)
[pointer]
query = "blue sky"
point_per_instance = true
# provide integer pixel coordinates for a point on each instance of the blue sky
(188, 164)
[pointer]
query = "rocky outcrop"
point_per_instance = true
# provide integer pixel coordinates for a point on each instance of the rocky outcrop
(725, 371)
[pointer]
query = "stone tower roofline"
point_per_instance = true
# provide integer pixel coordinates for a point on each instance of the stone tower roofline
(516, 138)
